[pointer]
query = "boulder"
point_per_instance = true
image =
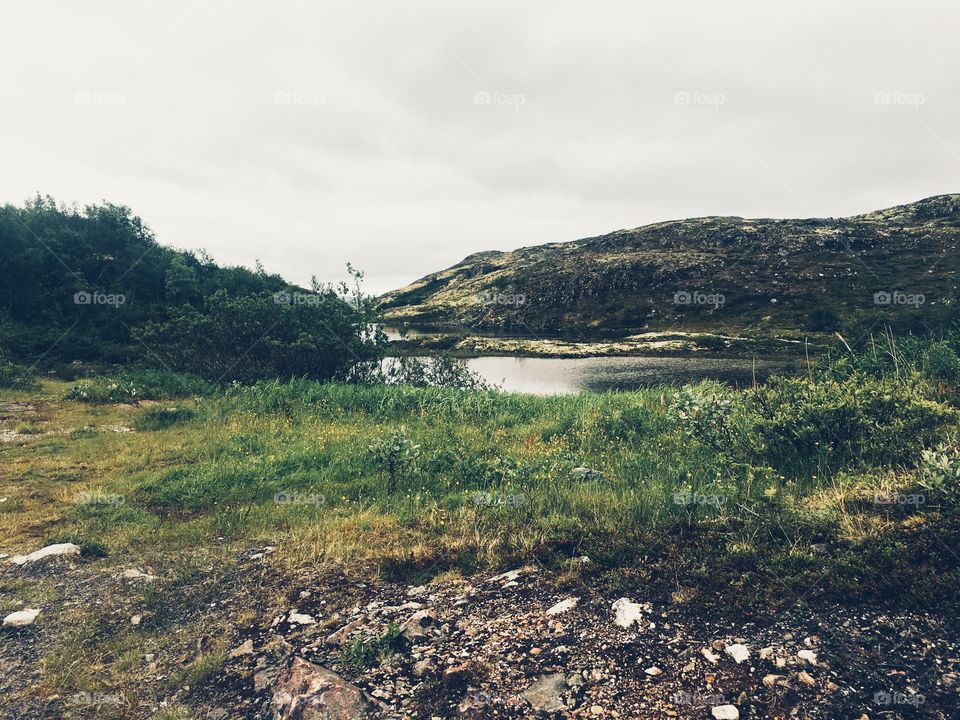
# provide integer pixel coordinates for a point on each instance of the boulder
(306, 691)
(544, 695)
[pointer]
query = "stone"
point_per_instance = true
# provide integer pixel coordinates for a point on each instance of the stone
(48, 551)
(419, 624)
(626, 612)
(340, 636)
(137, 574)
(563, 606)
(424, 667)
(544, 695)
(296, 618)
(808, 655)
(136, 619)
(710, 656)
(807, 679)
(725, 712)
(772, 680)
(653, 671)
(21, 618)
(306, 691)
(766, 653)
(244, 648)
(738, 652)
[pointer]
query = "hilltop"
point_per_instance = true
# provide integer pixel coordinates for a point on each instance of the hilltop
(897, 265)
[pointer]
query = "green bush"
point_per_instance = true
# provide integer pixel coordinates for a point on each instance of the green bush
(793, 423)
(104, 390)
(810, 425)
(17, 377)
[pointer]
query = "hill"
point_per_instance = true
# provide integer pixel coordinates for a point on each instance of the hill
(898, 266)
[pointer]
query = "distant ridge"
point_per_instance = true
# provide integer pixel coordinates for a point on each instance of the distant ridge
(819, 274)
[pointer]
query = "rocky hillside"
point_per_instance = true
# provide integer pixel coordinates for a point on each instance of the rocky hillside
(897, 265)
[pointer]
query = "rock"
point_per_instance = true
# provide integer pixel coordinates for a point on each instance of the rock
(585, 473)
(21, 618)
(509, 576)
(306, 691)
(137, 574)
(340, 636)
(456, 675)
(136, 619)
(738, 652)
(772, 680)
(766, 653)
(711, 656)
(807, 679)
(653, 671)
(544, 695)
(424, 667)
(296, 618)
(808, 655)
(563, 606)
(627, 612)
(48, 551)
(419, 624)
(245, 648)
(273, 655)
(725, 712)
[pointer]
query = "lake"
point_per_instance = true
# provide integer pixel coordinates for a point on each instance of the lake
(557, 376)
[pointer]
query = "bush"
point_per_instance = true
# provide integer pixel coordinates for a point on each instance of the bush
(104, 390)
(17, 377)
(132, 386)
(266, 336)
(393, 455)
(805, 425)
(797, 422)
(164, 384)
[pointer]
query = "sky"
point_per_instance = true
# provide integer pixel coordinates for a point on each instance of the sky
(404, 136)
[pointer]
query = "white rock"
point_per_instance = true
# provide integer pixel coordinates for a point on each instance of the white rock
(627, 612)
(137, 574)
(725, 712)
(21, 617)
(653, 671)
(508, 576)
(563, 606)
(766, 653)
(136, 619)
(738, 652)
(809, 655)
(48, 551)
(295, 618)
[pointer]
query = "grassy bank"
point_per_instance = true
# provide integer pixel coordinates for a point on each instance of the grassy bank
(851, 474)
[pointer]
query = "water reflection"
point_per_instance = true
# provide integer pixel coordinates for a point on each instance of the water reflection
(557, 376)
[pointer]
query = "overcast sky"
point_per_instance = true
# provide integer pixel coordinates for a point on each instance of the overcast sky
(403, 136)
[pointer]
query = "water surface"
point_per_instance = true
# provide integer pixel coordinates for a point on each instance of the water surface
(557, 376)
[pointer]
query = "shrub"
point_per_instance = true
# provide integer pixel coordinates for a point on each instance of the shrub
(393, 455)
(265, 336)
(104, 390)
(17, 377)
(797, 422)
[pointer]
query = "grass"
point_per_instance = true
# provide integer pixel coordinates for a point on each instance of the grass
(402, 476)
(716, 496)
